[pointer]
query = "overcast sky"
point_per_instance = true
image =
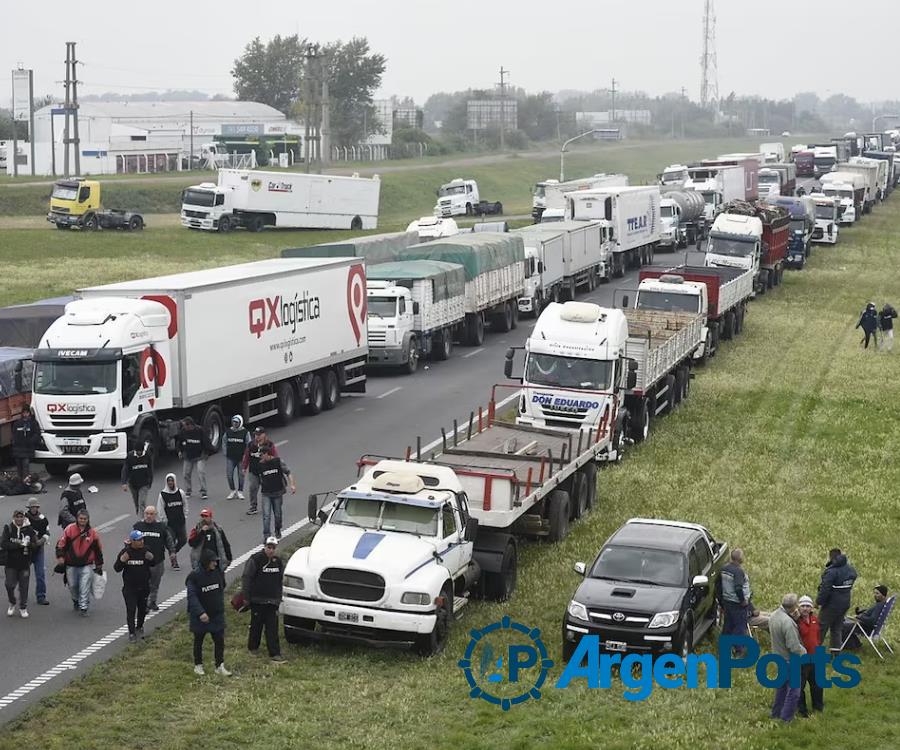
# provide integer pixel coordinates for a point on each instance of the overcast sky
(767, 47)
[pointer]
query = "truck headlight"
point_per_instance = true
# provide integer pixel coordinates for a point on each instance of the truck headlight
(416, 597)
(664, 619)
(294, 582)
(578, 611)
(109, 442)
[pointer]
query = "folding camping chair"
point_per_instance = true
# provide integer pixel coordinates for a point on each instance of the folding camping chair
(877, 632)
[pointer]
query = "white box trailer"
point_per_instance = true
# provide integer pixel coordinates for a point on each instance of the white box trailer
(291, 200)
(867, 169)
(633, 216)
(551, 194)
(544, 270)
(258, 339)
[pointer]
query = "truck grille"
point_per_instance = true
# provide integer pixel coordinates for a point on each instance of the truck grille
(353, 585)
(72, 420)
(818, 233)
(196, 214)
(377, 337)
(619, 617)
(564, 412)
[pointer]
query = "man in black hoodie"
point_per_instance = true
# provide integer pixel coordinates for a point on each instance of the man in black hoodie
(17, 543)
(157, 539)
(834, 596)
(137, 475)
(25, 438)
(261, 585)
(135, 562)
(173, 507)
(206, 609)
(193, 451)
(41, 525)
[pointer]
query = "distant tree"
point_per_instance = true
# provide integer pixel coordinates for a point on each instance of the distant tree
(807, 101)
(271, 72)
(537, 116)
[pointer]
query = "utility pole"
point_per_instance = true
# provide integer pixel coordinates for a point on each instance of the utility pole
(325, 125)
(312, 54)
(503, 74)
(612, 93)
(68, 110)
(683, 101)
(191, 157)
(76, 140)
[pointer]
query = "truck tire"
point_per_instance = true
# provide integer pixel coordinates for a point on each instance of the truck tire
(686, 388)
(254, 224)
(149, 437)
(356, 224)
(499, 586)
(332, 390)
(135, 224)
(498, 208)
(770, 279)
(502, 321)
(590, 475)
(213, 425)
(680, 377)
(285, 402)
(57, 468)
(443, 345)
(63, 227)
(224, 225)
(514, 306)
(433, 643)
(670, 394)
(469, 210)
(639, 424)
(728, 326)
(316, 395)
(740, 311)
(762, 284)
(475, 330)
(91, 223)
(578, 496)
(558, 515)
(412, 356)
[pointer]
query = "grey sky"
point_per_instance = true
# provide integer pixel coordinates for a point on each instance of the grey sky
(767, 47)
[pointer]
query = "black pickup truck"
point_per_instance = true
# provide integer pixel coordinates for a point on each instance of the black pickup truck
(651, 589)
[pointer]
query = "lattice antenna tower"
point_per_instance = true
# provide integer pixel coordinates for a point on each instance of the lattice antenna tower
(709, 71)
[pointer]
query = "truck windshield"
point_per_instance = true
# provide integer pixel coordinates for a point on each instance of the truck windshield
(654, 566)
(453, 190)
(710, 198)
(824, 212)
(731, 245)
(382, 307)
(568, 372)
(768, 179)
(539, 191)
(668, 302)
(65, 192)
(387, 516)
(204, 198)
(798, 225)
(74, 378)
(824, 161)
(666, 212)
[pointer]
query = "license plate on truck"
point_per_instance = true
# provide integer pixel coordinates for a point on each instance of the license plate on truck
(348, 617)
(616, 646)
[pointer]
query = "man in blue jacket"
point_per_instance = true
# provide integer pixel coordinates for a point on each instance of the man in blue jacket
(206, 607)
(834, 596)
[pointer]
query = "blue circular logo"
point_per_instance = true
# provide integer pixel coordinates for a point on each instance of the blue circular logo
(505, 663)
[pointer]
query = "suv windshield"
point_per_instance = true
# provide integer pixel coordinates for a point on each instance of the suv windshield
(653, 566)
(204, 198)
(74, 378)
(730, 246)
(386, 516)
(668, 302)
(382, 307)
(568, 372)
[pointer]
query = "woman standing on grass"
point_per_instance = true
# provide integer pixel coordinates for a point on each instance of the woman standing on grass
(868, 321)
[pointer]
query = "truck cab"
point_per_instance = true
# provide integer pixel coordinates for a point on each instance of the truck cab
(850, 189)
(735, 241)
(770, 182)
(432, 227)
(539, 198)
(99, 377)
(675, 175)
(72, 200)
(458, 197)
(828, 213)
(670, 233)
(671, 293)
(391, 324)
(203, 206)
(824, 160)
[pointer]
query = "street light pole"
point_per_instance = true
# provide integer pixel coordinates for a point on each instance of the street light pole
(882, 117)
(562, 153)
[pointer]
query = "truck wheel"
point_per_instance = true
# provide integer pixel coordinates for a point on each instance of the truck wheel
(255, 224)
(149, 438)
(670, 394)
(434, 642)
(443, 346)
(558, 515)
(770, 279)
(728, 326)
(590, 476)
(678, 393)
(502, 321)
(412, 356)
(639, 425)
(578, 496)
(469, 210)
(91, 223)
(285, 402)
(356, 224)
(514, 307)
(225, 225)
(316, 395)
(739, 319)
(213, 424)
(499, 587)
(135, 224)
(332, 391)
(56, 468)
(686, 388)
(475, 330)
(763, 283)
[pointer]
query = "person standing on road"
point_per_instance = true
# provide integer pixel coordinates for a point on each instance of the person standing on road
(250, 465)
(25, 438)
(136, 563)
(735, 595)
(208, 535)
(237, 438)
(137, 476)
(206, 607)
(79, 549)
(261, 585)
(18, 543)
(173, 506)
(274, 476)
(71, 501)
(868, 321)
(786, 641)
(886, 323)
(808, 625)
(41, 525)
(834, 596)
(193, 451)
(157, 539)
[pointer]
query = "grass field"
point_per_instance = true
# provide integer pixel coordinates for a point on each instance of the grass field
(787, 447)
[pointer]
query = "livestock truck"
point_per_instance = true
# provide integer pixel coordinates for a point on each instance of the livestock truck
(850, 188)
(721, 294)
(130, 360)
(682, 219)
(254, 200)
(633, 217)
(606, 370)
(400, 552)
(544, 269)
(717, 185)
(550, 195)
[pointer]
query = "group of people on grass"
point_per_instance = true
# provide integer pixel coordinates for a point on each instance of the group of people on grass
(872, 321)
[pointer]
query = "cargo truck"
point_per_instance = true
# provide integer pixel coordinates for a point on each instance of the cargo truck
(721, 294)
(751, 164)
(850, 188)
(890, 179)
(586, 254)
(400, 552)
(254, 200)
(717, 185)
(632, 215)
(770, 182)
(869, 173)
(876, 167)
(551, 194)
(682, 219)
(607, 370)
(16, 370)
(805, 162)
(460, 197)
(828, 212)
(802, 211)
(130, 360)
(773, 152)
(76, 203)
(544, 270)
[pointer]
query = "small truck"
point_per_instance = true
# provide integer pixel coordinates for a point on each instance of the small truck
(76, 203)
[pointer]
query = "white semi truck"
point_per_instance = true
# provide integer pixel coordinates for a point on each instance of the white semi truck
(850, 187)
(255, 200)
(876, 170)
(632, 215)
(718, 185)
(682, 219)
(262, 339)
(544, 266)
(550, 195)
(828, 215)
(460, 197)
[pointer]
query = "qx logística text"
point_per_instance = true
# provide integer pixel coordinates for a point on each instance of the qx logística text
(670, 671)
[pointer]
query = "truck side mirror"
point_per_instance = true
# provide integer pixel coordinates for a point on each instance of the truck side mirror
(508, 364)
(631, 378)
(312, 508)
(699, 582)
(17, 378)
(540, 266)
(415, 308)
(471, 529)
(625, 301)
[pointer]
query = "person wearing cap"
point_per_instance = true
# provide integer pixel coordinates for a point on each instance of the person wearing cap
(41, 525)
(206, 608)
(867, 618)
(135, 562)
(137, 475)
(250, 465)
(193, 450)
(786, 641)
(157, 539)
(261, 585)
(274, 478)
(208, 535)
(173, 509)
(80, 551)
(237, 438)
(808, 625)
(71, 501)
(868, 321)
(17, 542)
(26, 435)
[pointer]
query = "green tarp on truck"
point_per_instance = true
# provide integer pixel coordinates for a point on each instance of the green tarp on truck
(375, 248)
(477, 253)
(448, 279)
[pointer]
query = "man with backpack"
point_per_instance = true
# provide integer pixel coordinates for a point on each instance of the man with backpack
(250, 465)
(274, 476)
(25, 438)
(71, 501)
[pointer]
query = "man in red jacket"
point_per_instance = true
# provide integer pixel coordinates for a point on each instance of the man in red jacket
(80, 551)
(809, 636)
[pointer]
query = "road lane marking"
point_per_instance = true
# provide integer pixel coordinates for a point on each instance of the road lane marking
(113, 522)
(281, 442)
(472, 353)
(390, 392)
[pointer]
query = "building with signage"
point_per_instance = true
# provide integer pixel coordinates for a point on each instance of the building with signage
(147, 137)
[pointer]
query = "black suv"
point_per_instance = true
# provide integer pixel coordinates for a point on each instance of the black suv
(651, 589)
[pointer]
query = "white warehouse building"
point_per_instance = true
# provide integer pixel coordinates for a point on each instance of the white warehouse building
(147, 137)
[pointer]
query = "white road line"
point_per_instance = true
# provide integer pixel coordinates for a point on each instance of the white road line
(392, 391)
(472, 353)
(281, 442)
(110, 524)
